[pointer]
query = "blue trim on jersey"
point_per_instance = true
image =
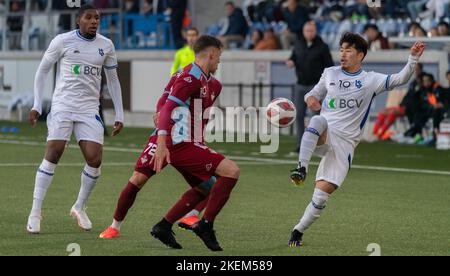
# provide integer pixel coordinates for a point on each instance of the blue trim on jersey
(349, 162)
(361, 126)
(111, 67)
(387, 82)
(352, 74)
(317, 206)
(196, 71)
(98, 118)
(154, 132)
(84, 38)
(178, 101)
(312, 130)
(44, 172)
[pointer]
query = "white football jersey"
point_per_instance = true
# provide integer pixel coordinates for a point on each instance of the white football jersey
(79, 71)
(347, 98)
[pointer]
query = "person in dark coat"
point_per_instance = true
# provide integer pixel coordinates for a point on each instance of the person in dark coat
(310, 57)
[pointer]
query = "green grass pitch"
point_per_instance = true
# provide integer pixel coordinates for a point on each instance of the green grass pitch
(405, 212)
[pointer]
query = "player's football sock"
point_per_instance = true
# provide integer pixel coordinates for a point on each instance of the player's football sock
(313, 211)
(379, 122)
(317, 126)
(218, 197)
(116, 224)
(43, 180)
(89, 178)
(296, 239)
(185, 204)
(126, 200)
(163, 232)
(204, 230)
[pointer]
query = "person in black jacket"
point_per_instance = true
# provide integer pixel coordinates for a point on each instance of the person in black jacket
(178, 11)
(309, 57)
(237, 25)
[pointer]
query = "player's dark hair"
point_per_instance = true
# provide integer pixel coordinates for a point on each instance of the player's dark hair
(230, 3)
(356, 41)
(206, 41)
(85, 8)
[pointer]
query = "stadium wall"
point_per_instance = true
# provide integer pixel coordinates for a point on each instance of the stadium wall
(144, 75)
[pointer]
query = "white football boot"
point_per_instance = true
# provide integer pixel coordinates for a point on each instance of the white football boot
(82, 218)
(34, 224)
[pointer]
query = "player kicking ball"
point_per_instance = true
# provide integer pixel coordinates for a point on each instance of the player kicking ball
(179, 141)
(344, 95)
(81, 55)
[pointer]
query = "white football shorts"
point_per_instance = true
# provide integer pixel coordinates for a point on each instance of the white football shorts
(86, 127)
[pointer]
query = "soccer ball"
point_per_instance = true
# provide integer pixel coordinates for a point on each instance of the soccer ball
(281, 112)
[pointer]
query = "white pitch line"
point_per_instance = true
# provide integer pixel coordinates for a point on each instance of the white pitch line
(259, 159)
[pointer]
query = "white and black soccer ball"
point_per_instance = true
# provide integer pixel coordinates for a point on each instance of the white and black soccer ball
(281, 112)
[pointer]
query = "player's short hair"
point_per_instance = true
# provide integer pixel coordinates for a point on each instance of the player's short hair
(230, 3)
(356, 41)
(85, 8)
(205, 42)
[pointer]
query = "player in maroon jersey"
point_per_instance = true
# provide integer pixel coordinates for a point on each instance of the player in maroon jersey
(179, 141)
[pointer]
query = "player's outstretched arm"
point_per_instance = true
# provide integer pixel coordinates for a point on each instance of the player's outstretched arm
(115, 92)
(405, 74)
(317, 94)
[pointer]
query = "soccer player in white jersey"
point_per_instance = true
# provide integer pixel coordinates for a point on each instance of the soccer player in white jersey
(81, 55)
(344, 95)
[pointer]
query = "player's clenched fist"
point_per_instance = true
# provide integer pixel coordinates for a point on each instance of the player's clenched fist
(313, 104)
(418, 48)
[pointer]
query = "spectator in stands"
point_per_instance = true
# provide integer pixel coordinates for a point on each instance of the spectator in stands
(393, 7)
(295, 16)
(420, 32)
(415, 8)
(147, 7)
(443, 28)
(256, 10)
(310, 57)
(131, 6)
(376, 40)
(177, 13)
(269, 42)
(441, 106)
(434, 32)
(356, 9)
(257, 36)
(237, 26)
(102, 4)
(186, 55)
(436, 8)
(412, 28)
(407, 107)
(426, 109)
(15, 24)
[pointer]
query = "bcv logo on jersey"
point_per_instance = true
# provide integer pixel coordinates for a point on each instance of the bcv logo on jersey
(77, 69)
(344, 103)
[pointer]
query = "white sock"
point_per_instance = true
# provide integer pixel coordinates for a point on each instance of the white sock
(116, 224)
(317, 126)
(43, 180)
(313, 211)
(192, 213)
(89, 178)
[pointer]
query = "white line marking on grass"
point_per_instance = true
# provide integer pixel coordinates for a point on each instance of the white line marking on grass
(254, 159)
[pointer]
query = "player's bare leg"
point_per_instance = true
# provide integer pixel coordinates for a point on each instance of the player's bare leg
(92, 153)
(321, 194)
(315, 135)
(126, 200)
(228, 174)
(54, 151)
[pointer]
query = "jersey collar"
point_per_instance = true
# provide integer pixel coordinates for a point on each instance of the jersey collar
(85, 38)
(352, 74)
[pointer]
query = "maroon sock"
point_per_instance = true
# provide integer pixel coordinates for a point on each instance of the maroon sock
(218, 197)
(199, 208)
(125, 201)
(184, 205)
